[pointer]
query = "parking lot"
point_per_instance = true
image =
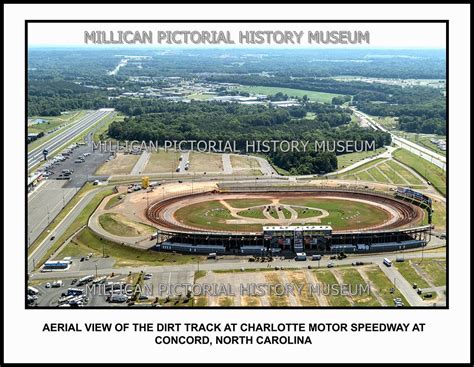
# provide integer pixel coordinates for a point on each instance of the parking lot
(81, 172)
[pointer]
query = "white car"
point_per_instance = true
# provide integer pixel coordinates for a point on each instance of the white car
(47, 285)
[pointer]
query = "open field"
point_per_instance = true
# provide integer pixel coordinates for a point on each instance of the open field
(353, 278)
(252, 213)
(383, 171)
(345, 160)
(162, 161)
(429, 171)
(407, 175)
(433, 270)
(299, 93)
(328, 280)
(119, 225)
(205, 162)
(409, 273)
(275, 299)
(383, 285)
(244, 164)
(53, 121)
(86, 241)
(115, 200)
(122, 164)
(439, 215)
(199, 96)
(342, 286)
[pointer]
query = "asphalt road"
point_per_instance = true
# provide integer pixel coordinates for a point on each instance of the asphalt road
(182, 163)
(69, 133)
(429, 155)
(141, 163)
(44, 204)
(46, 244)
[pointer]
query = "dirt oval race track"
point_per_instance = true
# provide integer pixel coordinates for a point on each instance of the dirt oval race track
(397, 214)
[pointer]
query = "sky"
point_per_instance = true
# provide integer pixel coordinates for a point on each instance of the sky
(382, 35)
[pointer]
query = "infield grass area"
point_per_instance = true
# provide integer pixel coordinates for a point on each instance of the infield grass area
(119, 225)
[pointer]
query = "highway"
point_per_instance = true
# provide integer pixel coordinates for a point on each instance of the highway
(36, 155)
(427, 154)
(59, 230)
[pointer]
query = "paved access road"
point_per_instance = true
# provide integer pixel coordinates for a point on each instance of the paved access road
(44, 204)
(427, 154)
(69, 133)
(57, 232)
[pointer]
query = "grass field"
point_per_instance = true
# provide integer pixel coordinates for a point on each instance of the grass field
(383, 285)
(352, 278)
(408, 272)
(429, 171)
(87, 241)
(115, 200)
(276, 300)
(327, 279)
(162, 161)
(245, 163)
(298, 93)
(119, 225)
(205, 162)
(383, 171)
(199, 96)
(306, 213)
(439, 215)
(407, 175)
(305, 297)
(122, 164)
(252, 213)
(434, 270)
(345, 160)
